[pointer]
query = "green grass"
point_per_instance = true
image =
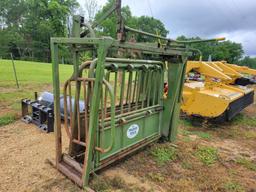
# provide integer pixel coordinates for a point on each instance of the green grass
(7, 119)
(32, 76)
(249, 164)
(233, 187)
(163, 153)
(202, 134)
(207, 155)
(244, 120)
(30, 73)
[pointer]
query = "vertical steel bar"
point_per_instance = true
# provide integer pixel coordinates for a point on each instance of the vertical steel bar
(161, 89)
(56, 91)
(138, 89)
(129, 91)
(103, 105)
(70, 107)
(128, 87)
(154, 87)
(115, 85)
(144, 88)
(75, 129)
(134, 87)
(78, 119)
(157, 87)
(122, 92)
(149, 87)
(106, 94)
(65, 109)
(101, 52)
(170, 115)
(85, 111)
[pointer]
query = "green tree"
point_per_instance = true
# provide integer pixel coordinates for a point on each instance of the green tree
(108, 26)
(150, 25)
(144, 23)
(227, 50)
(13, 12)
(248, 61)
(32, 26)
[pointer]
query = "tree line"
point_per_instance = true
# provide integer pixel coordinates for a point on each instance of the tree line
(27, 25)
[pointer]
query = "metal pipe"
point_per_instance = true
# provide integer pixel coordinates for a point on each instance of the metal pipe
(131, 118)
(122, 91)
(67, 128)
(135, 61)
(122, 66)
(129, 91)
(113, 129)
(199, 53)
(135, 111)
(85, 112)
(138, 89)
(171, 40)
(134, 86)
(151, 74)
(14, 71)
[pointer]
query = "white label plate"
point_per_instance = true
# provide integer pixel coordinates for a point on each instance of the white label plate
(132, 131)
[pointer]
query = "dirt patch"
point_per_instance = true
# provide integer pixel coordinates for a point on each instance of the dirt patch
(131, 180)
(23, 153)
(231, 149)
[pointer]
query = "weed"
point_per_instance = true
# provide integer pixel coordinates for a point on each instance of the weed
(234, 187)
(117, 183)
(232, 172)
(100, 184)
(163, 154)
(207, 155)
(250, 134)
(246, 163)
(157, 177)
(7, 119)
(186, 165)
(108, 184)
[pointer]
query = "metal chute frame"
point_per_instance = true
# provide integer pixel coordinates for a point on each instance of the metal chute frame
(98, 135)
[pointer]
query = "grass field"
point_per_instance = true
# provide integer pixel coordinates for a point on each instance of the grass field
(204, 158)
(32, 77)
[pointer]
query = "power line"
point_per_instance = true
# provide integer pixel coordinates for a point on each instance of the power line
(149, 5)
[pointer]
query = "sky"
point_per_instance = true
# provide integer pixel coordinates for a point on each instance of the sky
(233, 19)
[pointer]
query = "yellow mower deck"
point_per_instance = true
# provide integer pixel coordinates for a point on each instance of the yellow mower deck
(220, 102)
(215, 98)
